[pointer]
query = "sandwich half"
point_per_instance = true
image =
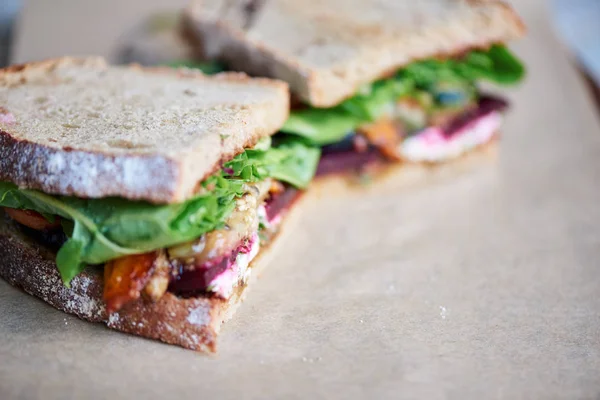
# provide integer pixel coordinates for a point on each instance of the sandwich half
(144, 198)
(376, 84)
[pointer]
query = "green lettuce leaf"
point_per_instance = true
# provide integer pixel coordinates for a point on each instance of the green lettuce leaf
(101, 230)
(320, 126)
(450, 82)
(497, 65)
(290, 161)
(375, 100)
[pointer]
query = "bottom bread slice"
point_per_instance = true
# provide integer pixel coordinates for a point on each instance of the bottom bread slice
(192, 323)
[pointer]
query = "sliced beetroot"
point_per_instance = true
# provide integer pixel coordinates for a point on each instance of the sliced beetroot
(486, 105)
(352, 143)
(190, 282)
(246, 247)
(195, 279)
(279, 203)
(489, 103)
(333, 163)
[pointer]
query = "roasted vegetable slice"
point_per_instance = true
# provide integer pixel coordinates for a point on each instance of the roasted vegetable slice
(384, 135)
(126, 277)
(32, 219)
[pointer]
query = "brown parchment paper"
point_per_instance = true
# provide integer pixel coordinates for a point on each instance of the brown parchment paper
(483, 286)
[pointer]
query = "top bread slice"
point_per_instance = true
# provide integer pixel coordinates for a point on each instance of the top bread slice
(327, 49)
(76, 126)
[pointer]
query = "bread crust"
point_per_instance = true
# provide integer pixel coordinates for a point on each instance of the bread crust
(327, 49)
(160, 157)
(192, 323)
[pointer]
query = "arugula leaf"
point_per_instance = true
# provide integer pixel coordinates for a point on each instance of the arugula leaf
(451, 82)
(291, 161)
(101, 230)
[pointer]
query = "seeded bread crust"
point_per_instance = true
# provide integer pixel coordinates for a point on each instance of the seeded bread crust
(192, 323)
(76, 126)
(327, 49)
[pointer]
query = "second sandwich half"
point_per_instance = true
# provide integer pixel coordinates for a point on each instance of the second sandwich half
(375, 83)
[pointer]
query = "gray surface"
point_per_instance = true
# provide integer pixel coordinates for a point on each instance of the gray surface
(80, 27)
(481, 287)
(8, 13)
(578, 24)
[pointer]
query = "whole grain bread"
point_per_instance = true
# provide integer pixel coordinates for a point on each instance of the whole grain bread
(192, 323)
(76, 126)
(327, 49)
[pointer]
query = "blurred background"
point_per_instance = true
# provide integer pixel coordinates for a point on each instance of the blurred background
(146, 31)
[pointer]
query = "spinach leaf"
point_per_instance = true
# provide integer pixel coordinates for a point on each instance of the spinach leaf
(86, 244)
(497, 65)
(501, 67)
(319, 126)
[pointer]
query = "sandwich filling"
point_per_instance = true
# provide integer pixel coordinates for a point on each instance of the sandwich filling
(204, 246)
(429, 111)
(433, 144)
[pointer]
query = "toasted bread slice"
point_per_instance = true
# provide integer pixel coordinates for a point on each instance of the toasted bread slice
(79, 127)
(327, 49)
(193, 323)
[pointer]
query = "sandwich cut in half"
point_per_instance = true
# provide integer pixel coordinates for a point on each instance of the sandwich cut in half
(142, 197)
(375, 83)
